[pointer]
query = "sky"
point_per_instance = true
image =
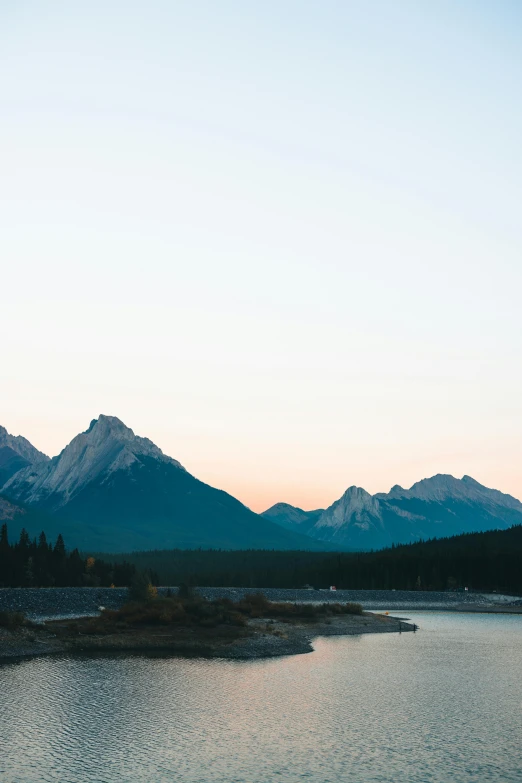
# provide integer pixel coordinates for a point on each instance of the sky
(280, 239)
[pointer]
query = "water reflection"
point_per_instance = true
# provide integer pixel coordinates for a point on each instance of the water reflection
(440, 705)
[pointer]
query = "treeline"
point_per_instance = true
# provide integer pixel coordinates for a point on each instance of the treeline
(479, 561)
(39, 563)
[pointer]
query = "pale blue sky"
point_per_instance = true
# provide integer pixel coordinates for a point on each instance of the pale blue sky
(283, 240)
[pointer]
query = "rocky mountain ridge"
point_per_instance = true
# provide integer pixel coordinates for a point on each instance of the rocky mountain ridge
(22, 447)
(111, 490)
(16, 453)
(105, 447)
(434, 507)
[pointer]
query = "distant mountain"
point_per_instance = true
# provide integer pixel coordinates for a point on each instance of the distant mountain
(355, 521)
(16, 453)
(292, 518)
(110, 490)
(431, 508)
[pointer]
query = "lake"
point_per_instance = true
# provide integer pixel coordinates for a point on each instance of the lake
(442, 705)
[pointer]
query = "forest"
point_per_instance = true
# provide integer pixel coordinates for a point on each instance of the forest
(479, 561)
(39, 563)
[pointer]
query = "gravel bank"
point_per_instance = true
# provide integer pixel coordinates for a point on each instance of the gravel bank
(56, 602)
(263, 638)
(296, 639)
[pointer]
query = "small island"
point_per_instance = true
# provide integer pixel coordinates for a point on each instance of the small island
(187, 624)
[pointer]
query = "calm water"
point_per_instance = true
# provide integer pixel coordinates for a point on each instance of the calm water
(441, 705)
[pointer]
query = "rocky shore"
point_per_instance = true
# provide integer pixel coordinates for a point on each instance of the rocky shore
(54, 602)
(52, 609)
(261, 638)
(285, 640)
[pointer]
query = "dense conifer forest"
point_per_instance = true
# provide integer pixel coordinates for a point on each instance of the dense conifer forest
(39, 563)
(478, 561)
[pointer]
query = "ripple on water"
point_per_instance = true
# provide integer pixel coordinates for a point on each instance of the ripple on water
(441, 705)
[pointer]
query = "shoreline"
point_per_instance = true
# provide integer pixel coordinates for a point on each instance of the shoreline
(482, 609)
(260, 639)
(66, 602)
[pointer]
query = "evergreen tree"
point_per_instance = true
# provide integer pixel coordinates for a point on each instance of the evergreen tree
(59, 547)
(4, 539)
(24, 541)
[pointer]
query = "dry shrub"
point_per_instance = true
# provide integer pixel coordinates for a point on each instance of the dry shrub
(257, 605)
(195, 611)
(168, 612)
(352, 608)
(254, 605)
(347, 608)
(12, 620)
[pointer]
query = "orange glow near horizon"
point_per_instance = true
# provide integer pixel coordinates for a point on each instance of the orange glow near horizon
(261, 477)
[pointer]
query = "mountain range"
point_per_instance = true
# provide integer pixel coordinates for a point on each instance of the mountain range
(113, 491)
(432, 508)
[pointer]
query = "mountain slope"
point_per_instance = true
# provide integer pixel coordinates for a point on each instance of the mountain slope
(352, 521)
(16, 453)
(432, 508)
(445, 506)
(291, 517)
(105, 447)
(9, 511)
(111, 490)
